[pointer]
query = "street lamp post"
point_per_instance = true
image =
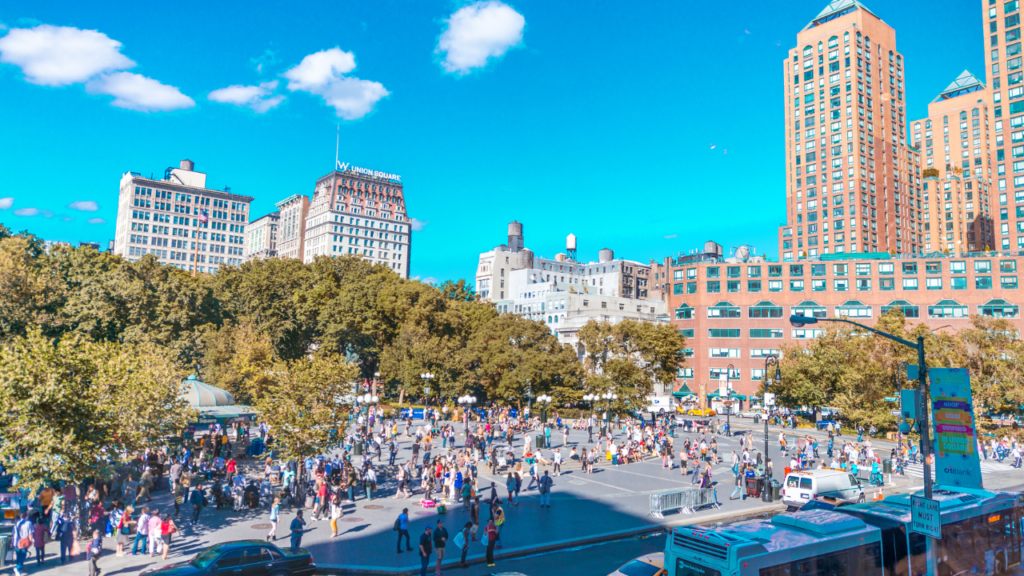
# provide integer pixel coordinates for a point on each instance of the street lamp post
(544, 400)
(590, 398)
(376, 382)
(728, 401)
(922, 375)
(427, 377)
(608, 396)
(771, 360)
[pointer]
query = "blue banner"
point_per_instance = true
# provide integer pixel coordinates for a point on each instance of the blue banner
(956, 440)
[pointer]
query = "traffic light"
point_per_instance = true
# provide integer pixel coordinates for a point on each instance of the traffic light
(910, 403)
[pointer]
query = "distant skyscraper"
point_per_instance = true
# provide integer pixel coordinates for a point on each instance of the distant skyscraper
(261, 237)
(355, 211)
(852, 181)
(1002, 33)
(179, 220)
(955, 140)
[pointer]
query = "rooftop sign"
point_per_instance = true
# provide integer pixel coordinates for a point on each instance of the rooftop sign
(346, 167)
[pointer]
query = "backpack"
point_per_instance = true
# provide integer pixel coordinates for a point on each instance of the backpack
(398, 524)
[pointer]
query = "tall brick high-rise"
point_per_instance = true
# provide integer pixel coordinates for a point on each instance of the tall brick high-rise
(852, 180)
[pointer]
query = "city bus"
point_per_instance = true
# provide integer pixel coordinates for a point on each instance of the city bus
(981, 534)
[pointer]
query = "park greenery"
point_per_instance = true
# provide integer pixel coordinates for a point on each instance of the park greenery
(294, 340)
(853, 370)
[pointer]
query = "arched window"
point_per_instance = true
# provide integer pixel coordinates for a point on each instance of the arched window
(917, 127)
(833, 42)
(927, 124)
(846, 37)
(974, 113)
(821, 47)
(945, 120)
(899, 60)
(963, 115)
(867, 42)
(890, 55)
(858, 37)
(808, 50)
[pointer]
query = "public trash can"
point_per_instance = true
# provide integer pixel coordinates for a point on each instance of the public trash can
(357, 449)
(887, 466)
(539, 441)
(5, 546)
(766, 494)
(776, 490)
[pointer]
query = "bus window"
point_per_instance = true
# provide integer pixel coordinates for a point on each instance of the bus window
(1011, 528)
(918, 554)
(861, 561)
(894, 550)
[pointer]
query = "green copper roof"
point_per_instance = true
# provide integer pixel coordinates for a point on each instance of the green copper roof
(965, 83)
(836, 9)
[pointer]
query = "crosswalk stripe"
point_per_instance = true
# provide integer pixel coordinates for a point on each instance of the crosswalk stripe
(917, 470)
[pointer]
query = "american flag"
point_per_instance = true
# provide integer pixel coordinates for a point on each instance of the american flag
(202, 217)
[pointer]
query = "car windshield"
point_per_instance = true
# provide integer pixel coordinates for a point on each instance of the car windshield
(638, 568)
(205, 558)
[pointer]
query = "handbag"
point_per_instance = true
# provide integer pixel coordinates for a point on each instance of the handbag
(24, 543)
(459, 541)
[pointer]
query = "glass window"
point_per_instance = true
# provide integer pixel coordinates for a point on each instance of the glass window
(809, 309)
(983, 282)
(910, 283)
(765, 310)
(732, 286)
(1007, 265)
(863, 269)
(714, 286)
(677, 274)
(753, 271)
(947, 309)
(958, 283)
(684, 312)
(775, 285)
(908, 309)
(863, 284)
(723, 332)
(999, 309)
(733, 271)
(753, 285)
(713, 272)
(691, 287)
(886, 268)
(723, 310)
(686, 333)
(818, 285)
(886, 284)
(910, 267)
(796, 285)
(841, 285)
(854, 309)
(982, 266)
(677, 288)
(804, 333)
(959, 267)
(817, 269)
(691, 273)
(1008, 282)
(775, 270)
(933, 283)
(840, 269)
(796, 270)
(765, 333)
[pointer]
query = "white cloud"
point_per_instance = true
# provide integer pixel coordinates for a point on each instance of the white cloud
(6, 203)
(136, 92)
(96, 221)
(26, 212)
(268, 58)
(257, 98)
(68, 219)
(61, 55)
(478, 32)
(670, 236)
(323, 74)
(429, 280)
(84, 205)
(418, 225)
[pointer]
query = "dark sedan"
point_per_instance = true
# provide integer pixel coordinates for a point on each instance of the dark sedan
(242, 558)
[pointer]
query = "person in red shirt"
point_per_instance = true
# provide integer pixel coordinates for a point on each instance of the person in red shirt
(232, 466)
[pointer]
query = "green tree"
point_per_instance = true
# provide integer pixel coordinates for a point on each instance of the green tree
(67, 407)
(305, 405)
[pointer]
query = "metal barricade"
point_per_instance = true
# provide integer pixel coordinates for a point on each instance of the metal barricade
(687, 501)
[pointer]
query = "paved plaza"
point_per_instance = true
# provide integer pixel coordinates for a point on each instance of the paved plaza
(613, 502)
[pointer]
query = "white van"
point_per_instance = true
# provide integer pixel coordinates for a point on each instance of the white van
(801, 487)
(660, 404)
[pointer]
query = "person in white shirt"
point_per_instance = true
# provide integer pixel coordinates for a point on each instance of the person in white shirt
(556, 457)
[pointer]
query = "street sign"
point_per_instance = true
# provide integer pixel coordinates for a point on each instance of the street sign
(925, 517)
(769, 399)
(891, 399)
(912, 372)
(896, 412)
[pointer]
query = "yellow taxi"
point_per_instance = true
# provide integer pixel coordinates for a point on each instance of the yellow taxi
(701, 412)
(648, 565)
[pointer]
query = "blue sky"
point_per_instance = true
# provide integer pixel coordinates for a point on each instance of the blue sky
(595, 118)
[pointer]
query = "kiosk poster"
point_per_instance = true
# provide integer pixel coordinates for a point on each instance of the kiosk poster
(955, 447)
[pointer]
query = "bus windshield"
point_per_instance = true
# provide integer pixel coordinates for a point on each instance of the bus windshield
(689, 568)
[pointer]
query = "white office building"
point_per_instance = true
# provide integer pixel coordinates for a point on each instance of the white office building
(180, 221)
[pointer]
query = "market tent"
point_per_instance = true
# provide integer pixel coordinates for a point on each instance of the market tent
(214, 404)
(715, 394)
(684, 391)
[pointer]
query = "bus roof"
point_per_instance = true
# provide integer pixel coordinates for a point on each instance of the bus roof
(950, 499)
(785, 531)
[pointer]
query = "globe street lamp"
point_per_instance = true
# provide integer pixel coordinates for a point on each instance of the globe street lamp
(544, 400)
(608, 396)
(922, 375)
(771, 360)
(727, 401)
(467, 402)
(426, 377)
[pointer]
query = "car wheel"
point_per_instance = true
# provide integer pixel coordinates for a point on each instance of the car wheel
(1000, 567)
(860, 500)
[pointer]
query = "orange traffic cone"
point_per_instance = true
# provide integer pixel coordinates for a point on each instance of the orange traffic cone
(881, 494)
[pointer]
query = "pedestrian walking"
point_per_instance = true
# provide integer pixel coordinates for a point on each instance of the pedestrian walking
(92, 554)
(154, 532)
(402, 527)
(426, 548)
(167, 527)
(461, 542)
(440, 539)
(544, 487)
(197, 499)
(23, 534)
(297, 527)
(275, 513)
(491, 535)
(336, 513)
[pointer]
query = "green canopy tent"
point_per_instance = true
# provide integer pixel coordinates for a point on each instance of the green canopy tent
(684, 392)
(214, 405)
(716, 395)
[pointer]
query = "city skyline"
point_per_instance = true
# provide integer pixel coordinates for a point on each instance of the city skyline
(440, 98)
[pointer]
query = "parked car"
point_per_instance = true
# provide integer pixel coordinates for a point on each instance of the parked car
(752, 413)
(648, 565)
(701, 412)
(248, 557)
(802, 486)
